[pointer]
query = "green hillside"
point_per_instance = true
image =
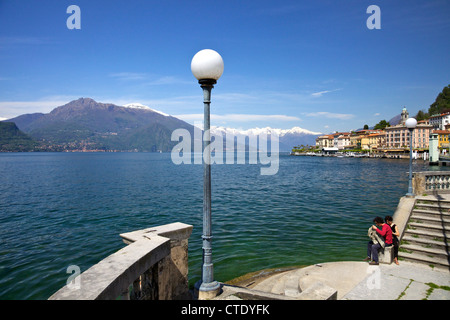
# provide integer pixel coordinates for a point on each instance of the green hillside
(85, 124)
(14, 140)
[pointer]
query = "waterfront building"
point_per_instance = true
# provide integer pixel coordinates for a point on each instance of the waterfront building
(343, 141)
(360, 139)
(355, 140)
(393, 139)
(443, 141)
(335, 139)
(440, 121)
(365, 142)
(325, 141)
(421, 134)
(376, 141)
(397, 136)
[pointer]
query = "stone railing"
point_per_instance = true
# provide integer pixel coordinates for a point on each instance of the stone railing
(431, 182)
(153, 266)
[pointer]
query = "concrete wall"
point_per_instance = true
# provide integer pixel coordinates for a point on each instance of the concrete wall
(402, 214)
(153, 266)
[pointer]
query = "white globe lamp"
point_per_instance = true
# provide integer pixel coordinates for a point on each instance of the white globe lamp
(207, 64)
(411, 123)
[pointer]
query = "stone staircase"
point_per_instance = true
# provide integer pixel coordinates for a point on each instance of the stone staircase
(427, 236)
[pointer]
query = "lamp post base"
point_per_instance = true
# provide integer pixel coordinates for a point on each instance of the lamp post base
(207, 291)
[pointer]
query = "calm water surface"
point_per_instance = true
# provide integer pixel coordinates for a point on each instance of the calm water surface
(62, 209)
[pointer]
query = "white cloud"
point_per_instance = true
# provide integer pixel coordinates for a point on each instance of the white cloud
(233, 96)
(128, 76)
(13, 109)
(151, 80)
(167, 80)
(238, 117)
(320, 93)
(7, 42)
(330, 115)
(187, 104)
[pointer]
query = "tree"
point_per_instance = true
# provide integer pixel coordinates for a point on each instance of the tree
(381, 125)
(422, 115)
(442, 102)
(366, 127)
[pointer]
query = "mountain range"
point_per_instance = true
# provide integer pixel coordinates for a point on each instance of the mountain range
(288, 138)
(85, 124)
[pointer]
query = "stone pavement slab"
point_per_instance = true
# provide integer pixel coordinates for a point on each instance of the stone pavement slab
(407, 281)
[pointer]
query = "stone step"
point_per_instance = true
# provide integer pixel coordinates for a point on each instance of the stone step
(430, 211)
(424, 259)
(428, 226)
(423, 242)
(274, 284)
(291, 286)
(425, 238)
(444, 201)
(279, 285)
(427, 234)
(436, 252)
(431, 219)
(432, 208)
(428, 203)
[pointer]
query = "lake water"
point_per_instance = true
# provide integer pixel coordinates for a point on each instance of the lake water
(62, 209)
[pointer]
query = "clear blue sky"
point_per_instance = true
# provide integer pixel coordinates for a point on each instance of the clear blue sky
(312, 64)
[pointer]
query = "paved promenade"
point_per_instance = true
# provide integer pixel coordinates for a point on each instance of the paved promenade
(407, 281)
(360, 281)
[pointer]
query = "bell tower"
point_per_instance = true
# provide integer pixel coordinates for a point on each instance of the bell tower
(404, 115)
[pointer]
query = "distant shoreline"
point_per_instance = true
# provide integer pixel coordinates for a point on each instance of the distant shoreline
(355, 155)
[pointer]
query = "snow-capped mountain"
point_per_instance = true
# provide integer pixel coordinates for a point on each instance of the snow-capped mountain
(143, 107)
(288, 138)
(266, 130)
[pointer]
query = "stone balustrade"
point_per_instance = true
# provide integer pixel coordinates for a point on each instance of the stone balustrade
(431, 182)
(153, 266)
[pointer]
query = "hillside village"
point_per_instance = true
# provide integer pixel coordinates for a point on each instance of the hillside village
(392, 140)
